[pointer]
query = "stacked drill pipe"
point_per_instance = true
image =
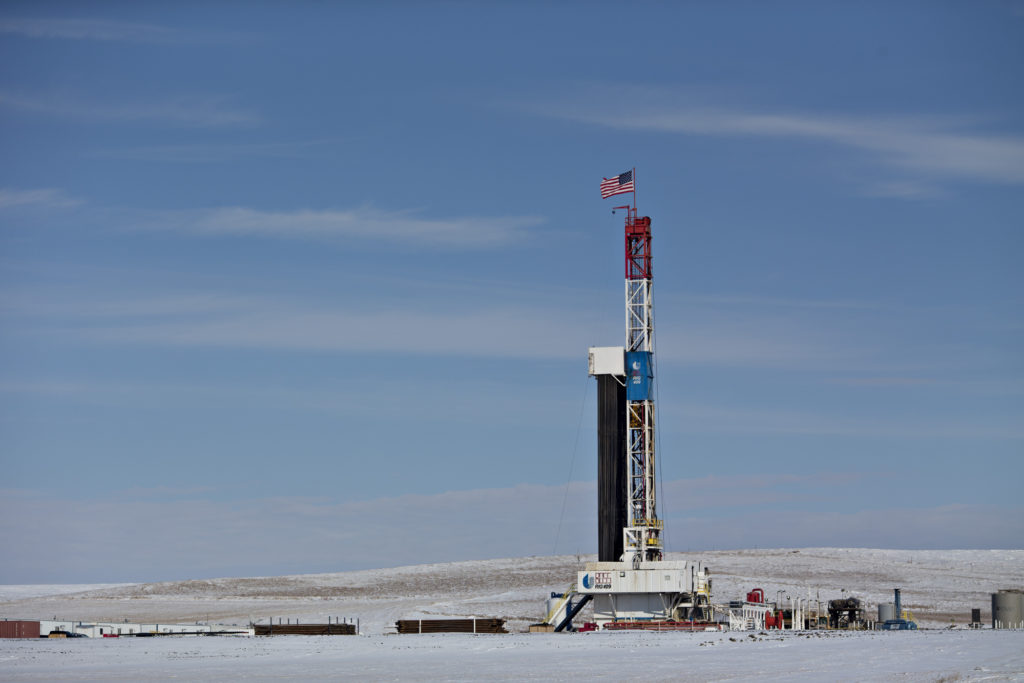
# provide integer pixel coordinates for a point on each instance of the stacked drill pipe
(451, 626)
(304, 629)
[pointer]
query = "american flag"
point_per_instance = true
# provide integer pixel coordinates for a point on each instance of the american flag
(620, 184)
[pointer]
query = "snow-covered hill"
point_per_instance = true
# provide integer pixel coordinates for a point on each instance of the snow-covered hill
(939, 586)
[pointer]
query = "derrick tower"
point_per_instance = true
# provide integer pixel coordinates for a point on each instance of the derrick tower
(631, 585)
(642, 535)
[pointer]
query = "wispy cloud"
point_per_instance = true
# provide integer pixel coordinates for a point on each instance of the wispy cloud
(405, 228)
(409, 318)
(885, 381)
(197, 111)
(756, 342)
(61, 303)
(773, 302)
(104, 30)
(508, 332)
(411, 321)
(212, 153)
(885, 525)
(921, 144)
(157, 536)
(712, 492)
(165, 492)
(727, 419)
(45, 388)
(902, 189)
(43, 198)
(162, 535)
(366, 223)
(403, 322)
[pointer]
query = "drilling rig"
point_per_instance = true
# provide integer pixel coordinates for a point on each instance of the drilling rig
(631, 585)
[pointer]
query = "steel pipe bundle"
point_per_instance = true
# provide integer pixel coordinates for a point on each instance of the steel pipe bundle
(304, 629)
(451, 626)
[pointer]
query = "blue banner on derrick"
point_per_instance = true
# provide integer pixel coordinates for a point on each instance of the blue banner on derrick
(639, 376)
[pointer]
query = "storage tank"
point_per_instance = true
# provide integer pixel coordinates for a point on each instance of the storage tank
(552, 603)
(886, 612)
(1008, 608)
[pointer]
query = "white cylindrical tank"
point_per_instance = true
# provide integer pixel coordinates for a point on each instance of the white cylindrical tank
(550, 605)
(886, 611)
(1008, 608)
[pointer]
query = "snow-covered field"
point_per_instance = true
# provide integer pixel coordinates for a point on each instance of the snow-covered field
(938, 586)
(866, 656)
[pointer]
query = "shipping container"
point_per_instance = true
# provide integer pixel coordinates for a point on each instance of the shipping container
(19, 629)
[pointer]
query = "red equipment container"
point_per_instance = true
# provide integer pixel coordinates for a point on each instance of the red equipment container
(756, 595)
(19, 629)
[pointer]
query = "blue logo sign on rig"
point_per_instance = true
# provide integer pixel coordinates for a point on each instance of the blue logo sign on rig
(588, 583)
(641, 374)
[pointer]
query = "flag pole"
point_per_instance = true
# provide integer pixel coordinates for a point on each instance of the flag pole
(634, 188)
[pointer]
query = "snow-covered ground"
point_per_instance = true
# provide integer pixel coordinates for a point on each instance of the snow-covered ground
(829, 656)
(938, 586)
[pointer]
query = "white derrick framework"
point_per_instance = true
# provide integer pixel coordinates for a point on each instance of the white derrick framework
(641, 590)
(642, 537)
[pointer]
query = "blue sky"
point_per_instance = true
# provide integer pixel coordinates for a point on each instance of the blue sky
(309, 288)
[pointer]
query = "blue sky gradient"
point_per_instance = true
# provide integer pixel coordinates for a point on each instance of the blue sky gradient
(341, 264)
